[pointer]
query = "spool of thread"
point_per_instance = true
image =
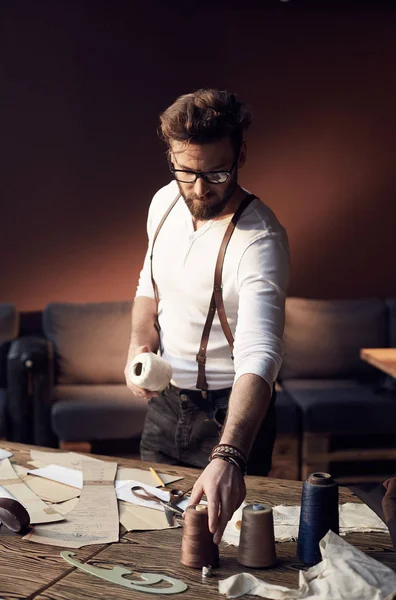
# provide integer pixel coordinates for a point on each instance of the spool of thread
(150, 371)
(198, 549)
(257, 541)
(319, 513)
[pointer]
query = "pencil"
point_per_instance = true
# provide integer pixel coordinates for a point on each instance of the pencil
(158, 478)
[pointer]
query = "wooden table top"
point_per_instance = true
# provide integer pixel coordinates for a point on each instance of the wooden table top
(29, 570)
(382, 358)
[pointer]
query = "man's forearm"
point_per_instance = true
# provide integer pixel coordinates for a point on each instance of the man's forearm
(249, 402)
(143, 332)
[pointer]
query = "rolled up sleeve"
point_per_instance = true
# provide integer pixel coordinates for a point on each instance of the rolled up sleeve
(263, 277)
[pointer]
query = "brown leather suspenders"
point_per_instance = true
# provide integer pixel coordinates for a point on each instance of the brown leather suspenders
(216, 301)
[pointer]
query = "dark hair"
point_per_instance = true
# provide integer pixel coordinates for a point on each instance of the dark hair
(204, 116)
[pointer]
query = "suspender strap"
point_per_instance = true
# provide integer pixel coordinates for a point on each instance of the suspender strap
(216, 301)
(155, 288)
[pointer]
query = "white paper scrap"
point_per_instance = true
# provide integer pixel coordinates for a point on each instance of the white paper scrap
(5, 454)
(60, 474)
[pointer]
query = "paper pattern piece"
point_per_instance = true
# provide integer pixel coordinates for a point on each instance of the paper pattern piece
(63, 508)
(94, 520)
(5, 454)
(47, 490)
(140, 518)
(74, 478)
(353, 517)
(144, 476)
(65, 475)
(133, 518)
(345, 572)
(72, 460)
(38, 511)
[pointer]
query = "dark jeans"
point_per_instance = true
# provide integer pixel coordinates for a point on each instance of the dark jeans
(182, 427)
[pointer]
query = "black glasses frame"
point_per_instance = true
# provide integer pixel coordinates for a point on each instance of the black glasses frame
(203, 174)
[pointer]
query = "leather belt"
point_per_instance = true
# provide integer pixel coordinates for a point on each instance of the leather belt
(198, 395)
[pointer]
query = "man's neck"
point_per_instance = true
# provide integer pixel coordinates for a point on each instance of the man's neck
(228, 211)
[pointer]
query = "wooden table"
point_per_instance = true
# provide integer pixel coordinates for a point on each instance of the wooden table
(29, 570)
(382, 358)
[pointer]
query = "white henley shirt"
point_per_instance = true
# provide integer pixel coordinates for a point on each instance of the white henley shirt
(255, 279)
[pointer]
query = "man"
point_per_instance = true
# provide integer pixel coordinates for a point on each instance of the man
(221, 389)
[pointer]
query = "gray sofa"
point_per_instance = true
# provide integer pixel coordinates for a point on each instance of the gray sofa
(334, 411)
(9, 326)
(347, 408)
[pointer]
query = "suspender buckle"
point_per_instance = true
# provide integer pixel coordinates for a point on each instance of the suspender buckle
(201, 359)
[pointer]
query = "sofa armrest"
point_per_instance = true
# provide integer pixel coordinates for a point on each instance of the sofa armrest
(30, 375)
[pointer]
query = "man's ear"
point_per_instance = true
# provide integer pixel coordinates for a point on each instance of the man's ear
(170, 157)
(242, 155)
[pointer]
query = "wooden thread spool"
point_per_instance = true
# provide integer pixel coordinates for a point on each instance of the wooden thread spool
(198, 549)
(257, 541)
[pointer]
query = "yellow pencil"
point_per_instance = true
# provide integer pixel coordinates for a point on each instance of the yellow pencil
(158, 478)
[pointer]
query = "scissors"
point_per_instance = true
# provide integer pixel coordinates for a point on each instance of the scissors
(171, 506)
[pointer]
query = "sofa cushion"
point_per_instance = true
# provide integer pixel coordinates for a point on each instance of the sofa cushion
(91, 340)
(92, 412)
(343, 406)
(9, 322)
(323, 337)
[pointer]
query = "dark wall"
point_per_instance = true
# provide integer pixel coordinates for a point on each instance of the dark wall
(82, 85)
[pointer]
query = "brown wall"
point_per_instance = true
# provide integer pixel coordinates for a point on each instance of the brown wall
(82, 88)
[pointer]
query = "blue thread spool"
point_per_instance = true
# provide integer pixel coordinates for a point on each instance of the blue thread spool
(319, 513)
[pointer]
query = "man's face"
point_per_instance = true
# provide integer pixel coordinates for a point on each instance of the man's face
(206, 200)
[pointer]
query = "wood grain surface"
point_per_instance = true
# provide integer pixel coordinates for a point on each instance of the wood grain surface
(382, 358)
(29, 570)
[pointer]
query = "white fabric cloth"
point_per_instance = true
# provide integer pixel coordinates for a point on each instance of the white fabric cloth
(255, 279)
(345, 573)
(353, 517)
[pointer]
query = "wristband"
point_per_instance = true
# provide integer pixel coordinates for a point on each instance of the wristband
(230, 451)
(230, 460)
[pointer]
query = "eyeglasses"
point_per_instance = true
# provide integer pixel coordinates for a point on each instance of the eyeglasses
(208, 176)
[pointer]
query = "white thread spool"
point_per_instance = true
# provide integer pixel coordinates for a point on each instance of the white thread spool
(150, 372)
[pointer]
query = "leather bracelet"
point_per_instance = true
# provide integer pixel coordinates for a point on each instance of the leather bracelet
(230, 460)
(241, 466)
(230, 451)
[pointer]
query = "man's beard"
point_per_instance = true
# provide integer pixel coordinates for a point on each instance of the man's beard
(204, 211)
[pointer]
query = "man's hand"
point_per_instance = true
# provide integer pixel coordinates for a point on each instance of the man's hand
(138, 391)
(225, 490)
